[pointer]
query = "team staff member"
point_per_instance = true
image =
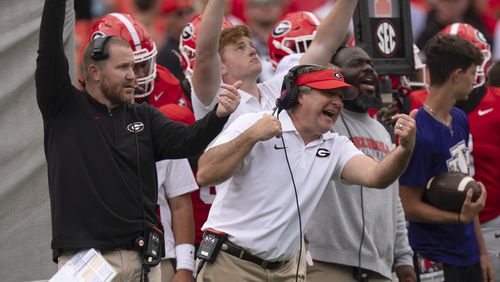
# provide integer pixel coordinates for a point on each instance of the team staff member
(230, 56)
(101, 150)
(254, 207)
(161, 90)
(160, 86)
(350, 215)
(450, 241)
(226, 53)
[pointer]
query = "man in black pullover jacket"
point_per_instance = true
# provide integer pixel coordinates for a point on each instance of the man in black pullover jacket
(101, 149)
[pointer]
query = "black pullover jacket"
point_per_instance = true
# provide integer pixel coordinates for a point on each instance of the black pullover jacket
(98, 168)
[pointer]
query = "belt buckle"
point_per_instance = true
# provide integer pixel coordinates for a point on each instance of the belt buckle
(264, 264)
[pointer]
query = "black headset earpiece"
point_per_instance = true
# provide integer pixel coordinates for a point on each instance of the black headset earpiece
(289, 90)
(99, 51)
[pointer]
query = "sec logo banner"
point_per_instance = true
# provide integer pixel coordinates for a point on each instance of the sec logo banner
(386, 38)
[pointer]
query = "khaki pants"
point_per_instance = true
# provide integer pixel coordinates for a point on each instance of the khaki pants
(167, 270)
(125, 262)
(332, 272)
(228, 268)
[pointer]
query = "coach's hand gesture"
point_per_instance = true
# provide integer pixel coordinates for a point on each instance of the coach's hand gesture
(229, 99)
(405, 128)
(265, 128)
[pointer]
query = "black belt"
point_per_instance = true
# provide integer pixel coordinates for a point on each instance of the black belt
(245, 255)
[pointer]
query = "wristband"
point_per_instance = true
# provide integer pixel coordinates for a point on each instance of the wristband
(459, 221)
(184, 255)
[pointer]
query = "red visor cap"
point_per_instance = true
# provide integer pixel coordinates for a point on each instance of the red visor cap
(327, 80)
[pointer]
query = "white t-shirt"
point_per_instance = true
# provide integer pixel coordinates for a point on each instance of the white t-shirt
(175, 178)
(256, 206)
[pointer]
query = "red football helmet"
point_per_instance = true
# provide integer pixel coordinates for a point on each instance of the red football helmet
(474, 36)
(187, 43)
(292, 34)
(134, 32)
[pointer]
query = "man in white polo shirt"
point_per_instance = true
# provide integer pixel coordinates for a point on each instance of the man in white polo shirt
(229, 55)
(255, 206)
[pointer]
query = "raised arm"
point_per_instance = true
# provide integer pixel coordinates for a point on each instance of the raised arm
(330, 33)
(52, 78)
(206, 74)
(365, 171)
(218, 164)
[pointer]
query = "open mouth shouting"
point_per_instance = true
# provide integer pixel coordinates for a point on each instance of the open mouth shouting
(367, 84)
(329, 114)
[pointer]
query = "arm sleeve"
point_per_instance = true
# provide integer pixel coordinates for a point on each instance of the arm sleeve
(199, 109)
(348, 151)
(403, 254)
(177, 178)
(175, 140)
(52, 78)
(238, 126)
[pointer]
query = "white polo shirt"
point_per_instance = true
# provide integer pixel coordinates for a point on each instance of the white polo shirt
(256, 206)
(270, 90)
(175, 178)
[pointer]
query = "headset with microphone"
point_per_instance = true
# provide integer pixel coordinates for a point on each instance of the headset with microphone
(289, 90)
(99, 52)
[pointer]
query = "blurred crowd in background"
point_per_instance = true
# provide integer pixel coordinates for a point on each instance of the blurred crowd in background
(165, 20)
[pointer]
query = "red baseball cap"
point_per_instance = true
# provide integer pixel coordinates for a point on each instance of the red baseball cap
(170, 6)
(327, 80)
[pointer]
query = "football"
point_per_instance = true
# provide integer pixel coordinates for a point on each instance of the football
(447, 190)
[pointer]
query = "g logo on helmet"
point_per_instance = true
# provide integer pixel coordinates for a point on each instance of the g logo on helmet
(480, 36)
(282, 28)
(337, 75)
(187, 32)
